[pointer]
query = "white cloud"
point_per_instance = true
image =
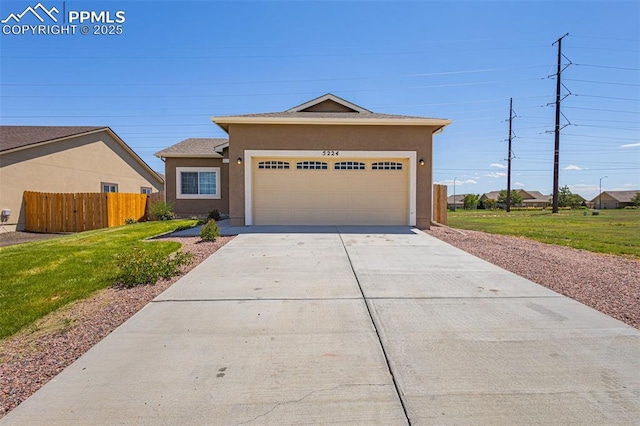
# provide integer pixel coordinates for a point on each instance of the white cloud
(572, 167)
(496, 174)
(519, 184)
(449, 182)
(630, 145)
(498, 166)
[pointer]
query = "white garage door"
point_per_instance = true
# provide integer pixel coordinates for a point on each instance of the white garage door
(318, 191)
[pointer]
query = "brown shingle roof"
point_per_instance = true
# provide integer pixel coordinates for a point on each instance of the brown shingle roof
(620, 196)
(12, 137)
(193, 147)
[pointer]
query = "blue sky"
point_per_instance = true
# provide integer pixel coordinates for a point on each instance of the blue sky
(177, 63)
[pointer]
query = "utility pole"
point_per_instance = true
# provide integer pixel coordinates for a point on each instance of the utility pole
(454, 193)
(509, 157)
(556, 152)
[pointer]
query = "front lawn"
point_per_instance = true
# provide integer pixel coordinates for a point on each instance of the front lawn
(611, 231)
(38, 278)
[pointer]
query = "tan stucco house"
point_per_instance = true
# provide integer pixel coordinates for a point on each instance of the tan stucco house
(614, 199)
(325, 162)
(64, 160)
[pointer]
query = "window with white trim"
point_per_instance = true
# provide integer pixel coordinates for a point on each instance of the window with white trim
(349, 165)
(145, 190)
(311, 165)
(109, 187)
(273, 164)
(198, 182)
(386, 165)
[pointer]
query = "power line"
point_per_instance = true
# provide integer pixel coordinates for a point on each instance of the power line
(607, 97)
(605, 110)
(219, 83)
(603, 82)
(608, 67)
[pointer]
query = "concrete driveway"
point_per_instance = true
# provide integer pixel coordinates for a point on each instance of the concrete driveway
(352, 326)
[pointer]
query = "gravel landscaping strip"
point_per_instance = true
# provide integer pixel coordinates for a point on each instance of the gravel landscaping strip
(610, 284)
(34, 356)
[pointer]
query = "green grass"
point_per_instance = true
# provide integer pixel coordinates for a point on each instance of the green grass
(38, 278)
(612, 231)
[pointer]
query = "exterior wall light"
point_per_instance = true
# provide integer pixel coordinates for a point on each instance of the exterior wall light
(421, 162)
(239, 161)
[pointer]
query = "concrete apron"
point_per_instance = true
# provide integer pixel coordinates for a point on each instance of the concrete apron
(273, 329)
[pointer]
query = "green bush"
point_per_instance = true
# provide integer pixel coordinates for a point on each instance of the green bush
(210, 231)
(161, 211)
(214, 214)
(146, 267)
(130, 221)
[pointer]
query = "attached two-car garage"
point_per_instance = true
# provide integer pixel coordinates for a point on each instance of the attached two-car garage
(334, 189)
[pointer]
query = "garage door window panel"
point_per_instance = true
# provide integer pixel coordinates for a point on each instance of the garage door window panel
(273, 165)
(349, 165)
(311, 165)
(386, 165)
(195, 183)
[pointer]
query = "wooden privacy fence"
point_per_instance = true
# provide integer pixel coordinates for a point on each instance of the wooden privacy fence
(440, 203)
(52, 212)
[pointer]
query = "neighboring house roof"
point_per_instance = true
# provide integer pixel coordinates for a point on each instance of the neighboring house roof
(619, 196)
(16, 138)
(13, 137)
(195, 147)
(537, 195)
(330, 109)
(459, 198)
(493, 195)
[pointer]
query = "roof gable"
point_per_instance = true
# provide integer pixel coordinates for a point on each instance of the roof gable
(328, 103)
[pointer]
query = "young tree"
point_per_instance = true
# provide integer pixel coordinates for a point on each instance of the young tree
(568, 199)
(470, 201)
(515, 197)
(489, 204)
(636, 199)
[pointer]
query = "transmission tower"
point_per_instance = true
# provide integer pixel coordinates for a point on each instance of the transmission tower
(556, 152)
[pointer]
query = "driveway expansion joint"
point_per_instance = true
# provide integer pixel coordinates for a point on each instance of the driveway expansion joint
(375, 328)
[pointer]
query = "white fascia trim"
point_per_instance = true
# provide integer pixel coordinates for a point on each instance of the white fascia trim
(220, 148)
(248, 169)
(210, 155)
(335, 121)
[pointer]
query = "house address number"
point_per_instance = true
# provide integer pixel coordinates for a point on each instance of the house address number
(330, 153)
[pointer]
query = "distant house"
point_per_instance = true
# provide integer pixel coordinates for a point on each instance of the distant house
(488, 196)
(66, 159)
(534, 198)
(455, 200)
(529, 198)
(614, 199)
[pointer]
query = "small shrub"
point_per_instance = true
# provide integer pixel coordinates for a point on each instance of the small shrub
(210, 231)
(214, 214)
(130, 221)
(161, 211)
(145, 267)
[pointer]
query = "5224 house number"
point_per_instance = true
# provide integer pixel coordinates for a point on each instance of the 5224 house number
(330, 153)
